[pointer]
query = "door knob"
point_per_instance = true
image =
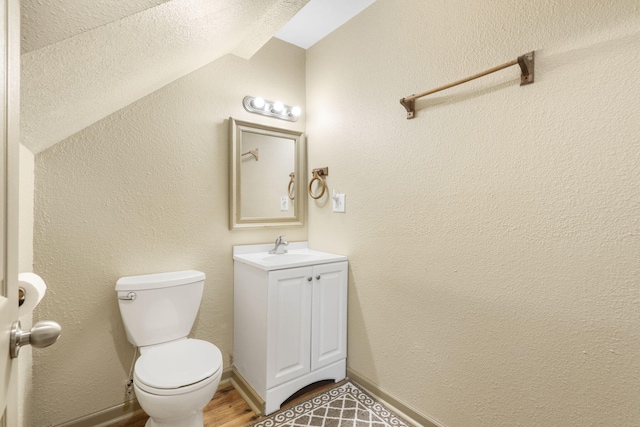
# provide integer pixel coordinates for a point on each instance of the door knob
(43, 334)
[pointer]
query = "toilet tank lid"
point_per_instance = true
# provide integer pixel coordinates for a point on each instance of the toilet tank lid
(159, 280)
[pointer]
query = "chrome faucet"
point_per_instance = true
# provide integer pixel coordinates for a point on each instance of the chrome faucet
(279, 248)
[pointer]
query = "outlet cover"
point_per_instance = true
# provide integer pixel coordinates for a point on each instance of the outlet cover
(284, 203)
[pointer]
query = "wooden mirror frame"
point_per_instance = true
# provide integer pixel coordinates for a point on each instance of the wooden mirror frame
(236, 221)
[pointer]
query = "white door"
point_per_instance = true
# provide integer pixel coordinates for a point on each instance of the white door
(9, 125)
(288, 325)
(329, 314)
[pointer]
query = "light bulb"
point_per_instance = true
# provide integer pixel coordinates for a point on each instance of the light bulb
(296, 111)
(258, 102)
(278, 106)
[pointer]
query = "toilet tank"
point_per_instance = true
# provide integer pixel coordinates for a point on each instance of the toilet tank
(164, 307)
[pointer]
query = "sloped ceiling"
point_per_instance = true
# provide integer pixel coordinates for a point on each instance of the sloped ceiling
(85, 59)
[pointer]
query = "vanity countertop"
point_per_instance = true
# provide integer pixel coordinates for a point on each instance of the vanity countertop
(298, 255)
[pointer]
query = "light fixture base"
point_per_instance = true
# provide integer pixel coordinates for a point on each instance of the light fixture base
(268, 110)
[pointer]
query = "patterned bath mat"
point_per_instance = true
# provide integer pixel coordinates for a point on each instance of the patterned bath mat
(343, 406)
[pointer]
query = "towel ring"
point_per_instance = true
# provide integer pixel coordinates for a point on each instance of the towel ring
(291, 189)
(317, 176)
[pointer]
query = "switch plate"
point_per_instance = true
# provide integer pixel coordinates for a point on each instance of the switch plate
(339, 201)
(284, 203)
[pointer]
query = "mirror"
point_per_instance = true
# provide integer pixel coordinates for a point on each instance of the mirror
(266, 167)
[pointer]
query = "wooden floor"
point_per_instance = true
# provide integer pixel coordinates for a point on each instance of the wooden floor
(228, 409)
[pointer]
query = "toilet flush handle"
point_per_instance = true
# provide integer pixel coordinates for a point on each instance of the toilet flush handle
(129, 297)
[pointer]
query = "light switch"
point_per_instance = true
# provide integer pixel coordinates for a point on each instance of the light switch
(284, 203)
(339, 202)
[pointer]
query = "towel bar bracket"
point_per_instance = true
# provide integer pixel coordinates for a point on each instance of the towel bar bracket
(410, 107)
(526, 63)
(321, 171)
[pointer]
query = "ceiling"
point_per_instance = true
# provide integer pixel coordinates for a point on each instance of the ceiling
(85, 59)
(318, 19)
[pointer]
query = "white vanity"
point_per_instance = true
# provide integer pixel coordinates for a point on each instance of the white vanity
(290, 319)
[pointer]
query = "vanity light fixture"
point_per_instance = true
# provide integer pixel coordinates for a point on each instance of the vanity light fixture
(257, 105)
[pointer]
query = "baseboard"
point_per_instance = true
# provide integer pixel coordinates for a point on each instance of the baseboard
(402, 409)
(121, 412)
(108, 416)
(253, 399)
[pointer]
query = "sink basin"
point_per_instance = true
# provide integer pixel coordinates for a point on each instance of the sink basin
(298, 255)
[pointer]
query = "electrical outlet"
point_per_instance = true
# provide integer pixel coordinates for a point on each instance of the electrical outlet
(128, 388)
(284, 203)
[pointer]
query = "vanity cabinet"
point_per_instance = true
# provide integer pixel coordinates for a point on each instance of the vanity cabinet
(290, 328)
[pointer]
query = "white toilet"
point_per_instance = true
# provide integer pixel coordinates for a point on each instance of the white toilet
(175, 376)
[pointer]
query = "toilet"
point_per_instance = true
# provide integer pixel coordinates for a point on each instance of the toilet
(175, 376)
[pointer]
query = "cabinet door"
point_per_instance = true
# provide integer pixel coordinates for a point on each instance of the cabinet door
(329, 314)
(288, 325)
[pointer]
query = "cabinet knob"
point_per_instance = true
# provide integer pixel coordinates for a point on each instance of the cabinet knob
(318, 277)
(309, 278)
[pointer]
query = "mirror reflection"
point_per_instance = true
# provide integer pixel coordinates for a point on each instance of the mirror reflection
(265, 170)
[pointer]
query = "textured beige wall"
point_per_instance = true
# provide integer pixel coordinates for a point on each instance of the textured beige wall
(493, 240)
(144, 190)
(25, 264)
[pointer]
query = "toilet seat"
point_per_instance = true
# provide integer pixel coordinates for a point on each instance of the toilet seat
(178, 367)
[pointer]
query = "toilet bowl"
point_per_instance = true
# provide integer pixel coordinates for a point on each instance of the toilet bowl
(174, 381)
(175, 376)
